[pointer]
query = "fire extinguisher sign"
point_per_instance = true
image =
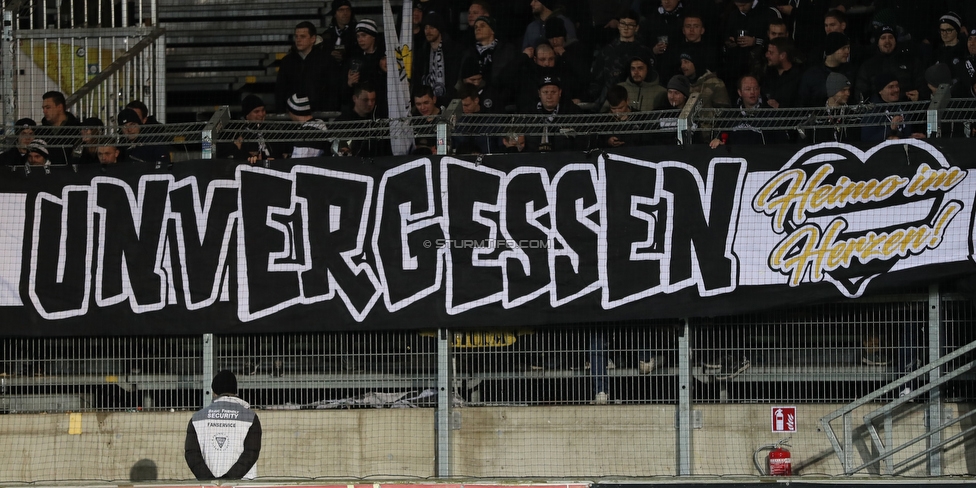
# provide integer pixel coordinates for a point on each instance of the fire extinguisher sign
(783, 419)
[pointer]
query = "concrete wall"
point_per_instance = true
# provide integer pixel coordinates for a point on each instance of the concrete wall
(582, 442)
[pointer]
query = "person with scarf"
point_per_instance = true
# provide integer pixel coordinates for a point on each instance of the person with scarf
(496, 59)
(555, 135)
(436, 62)
(747, 123)
(340, 35)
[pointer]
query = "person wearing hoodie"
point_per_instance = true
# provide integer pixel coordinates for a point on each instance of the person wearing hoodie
(890, 58)
(611, 65)
(711, 89)
(643, 87)
(58, 127)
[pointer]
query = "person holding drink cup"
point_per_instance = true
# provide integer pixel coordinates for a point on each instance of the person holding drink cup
(743, 32)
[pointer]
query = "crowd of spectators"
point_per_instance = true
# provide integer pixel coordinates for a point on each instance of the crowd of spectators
(739, 57)
(62, 139)
(571, 55)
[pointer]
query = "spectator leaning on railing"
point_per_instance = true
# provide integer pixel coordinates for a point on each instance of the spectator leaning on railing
(140, 148)
(24, 135)
(888, 121)
(300, 110)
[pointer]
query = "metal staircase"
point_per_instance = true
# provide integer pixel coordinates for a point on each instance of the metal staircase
(922, 389)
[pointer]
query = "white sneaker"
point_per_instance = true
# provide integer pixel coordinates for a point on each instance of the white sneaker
(907, 391)
(601, 399)
(645, 367)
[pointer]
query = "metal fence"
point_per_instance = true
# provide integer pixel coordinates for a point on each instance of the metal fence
(532, 400)
(953, 118)
(100, 54)
(829, 353)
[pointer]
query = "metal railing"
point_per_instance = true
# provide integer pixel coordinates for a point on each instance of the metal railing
(100, 55)
(804, 356)
(911, 388)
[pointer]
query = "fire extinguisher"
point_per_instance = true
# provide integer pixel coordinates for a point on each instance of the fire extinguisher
(779, 461)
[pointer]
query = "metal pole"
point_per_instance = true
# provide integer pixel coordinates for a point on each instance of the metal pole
(445, 126)
(932, 114)
(7, 61)
(445, 399)
(216, 123)
(159, 80)
(935, 396)
(684, 119)
(684, 413)
(208, 368)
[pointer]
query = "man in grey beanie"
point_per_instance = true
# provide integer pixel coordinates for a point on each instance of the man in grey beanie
(838, 89)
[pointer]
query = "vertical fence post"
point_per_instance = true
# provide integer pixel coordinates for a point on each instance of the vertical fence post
(684, 119)
(445, 399)
(684, 412)
(445, 127)
(159, 81)
(934, 412)
(216, 123)
(208, 368)
(7, 63)
(936, 106)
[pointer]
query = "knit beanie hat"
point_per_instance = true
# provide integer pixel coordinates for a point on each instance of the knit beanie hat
(39, 146)
(224, 382)
(24, 124)
(435, 20)
(952, 19)
(299, 104)
(250, 103)
(882, 80)
(680, 83)
(835, 83)
(938, 74)
(835, 41)
(368, 26)
(488, 20)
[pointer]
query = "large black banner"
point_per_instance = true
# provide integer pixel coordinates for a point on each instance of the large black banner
(504, 240)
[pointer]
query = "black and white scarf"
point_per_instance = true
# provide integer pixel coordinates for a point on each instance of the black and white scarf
(435, 75)
(484, 55)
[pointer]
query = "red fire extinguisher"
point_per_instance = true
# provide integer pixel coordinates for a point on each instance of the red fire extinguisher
(779, 461)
